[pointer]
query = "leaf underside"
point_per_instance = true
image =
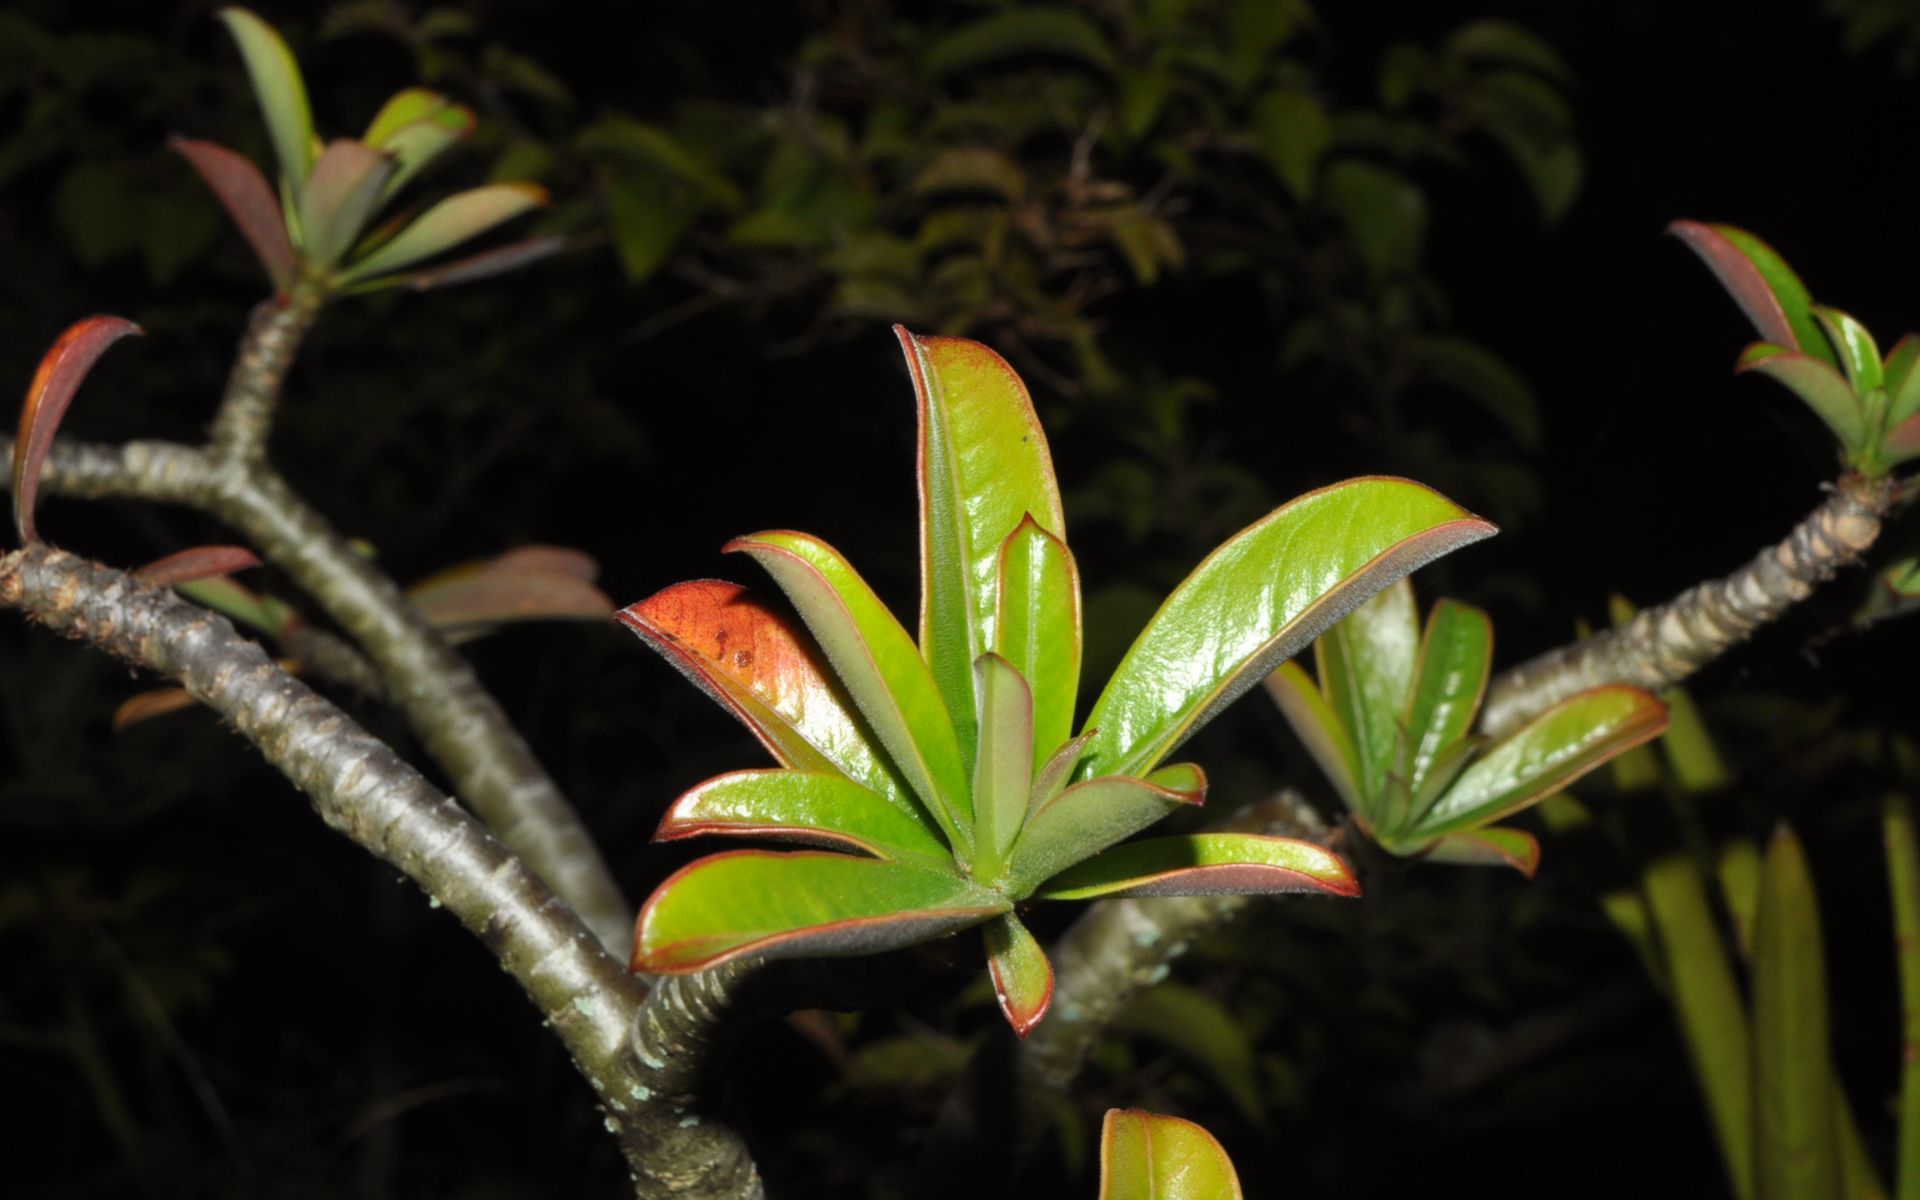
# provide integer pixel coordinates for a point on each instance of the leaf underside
(59, 376)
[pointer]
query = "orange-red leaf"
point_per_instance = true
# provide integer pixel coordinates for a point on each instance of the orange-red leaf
(147, 705)
(48, 396)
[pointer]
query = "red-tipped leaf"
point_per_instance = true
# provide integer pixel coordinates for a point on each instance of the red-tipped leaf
(1494, 846)
(801, 806)
(1094, 814)
(1820, 386)
(1760, 282)
(1205, 864)
(65, 365)
(250, 202)
(1022, 976)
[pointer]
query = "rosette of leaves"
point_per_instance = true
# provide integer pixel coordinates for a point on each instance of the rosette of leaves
(1870, 403)
(1390, 722)
(943, 777)
(320, 228)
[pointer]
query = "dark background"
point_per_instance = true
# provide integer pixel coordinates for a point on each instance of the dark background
(203, 993)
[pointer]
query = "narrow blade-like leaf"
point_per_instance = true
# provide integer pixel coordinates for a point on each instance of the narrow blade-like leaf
(769, 675)
(1456, 655)
(1366, 667)
(1760, 282)
(879, 665)
(1795, 1154)
(1494, 846)
(249, 200)
(1052, 777)
(1149, 1157)
(447, 224)
(806, 903)
(1258, 600)
(484, 265)
(73, 354)
(148, 705)
(983, 468)
(1022, 976)
(1003, 764)
(1094, 814)
(1544, 755)
(1903, 886)
(804, 806)
(279, 88)
(1821, 387)
(1205, 864)
(1038, 628)
(339, 197)
(199, 562)
(1321, 731)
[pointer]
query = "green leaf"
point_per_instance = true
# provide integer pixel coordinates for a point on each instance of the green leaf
(1053, 775)
(1796, 1156)
(1258, 600)
(1854, 347)
(807, 903)
(800, 806)
(449, 223)
(1761, 283)
(1094, 814)
(983, 468)
(1003, 766)
(339, 198)
(1822, 387)
(238, 603)
(1384, 214)
(1903, 884)
(1320, 730)
(1902, 380)
(1205, 864)
(249, 200)
(1493, 846)
(1292, 131)
(484, 265)
(1366, 669)
(402, 109)
(1480, 375)
(1200, 1029)
(1689, 749)
(1456, 656)
(972, 169)
(416, 146)
(1495, 40)
(1149, 1157)
(280, 90)
(1017, 33)
(636, 144)
(1037, 629)
(1544, 755)
(880, 667)
(1022, 976)
(50, 393)
(769, 675)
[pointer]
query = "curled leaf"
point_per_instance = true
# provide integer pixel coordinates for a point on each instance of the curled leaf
(65, 365)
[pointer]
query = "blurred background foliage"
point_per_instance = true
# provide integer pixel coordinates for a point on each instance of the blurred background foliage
(1238, 248)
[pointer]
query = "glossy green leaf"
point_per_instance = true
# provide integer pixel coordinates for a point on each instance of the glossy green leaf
(1149, 1157)
(279, 88)
(1258, 600)
(1094, 814)
(1853, 346)
(1445, 767)
(1037, 629)
(339, 198)
(1022, 976)
(449, 223)
(1761, 283)
(249, 200)
(50, 393)
(801, 806)
(1821, 387)
(1903, 380)
(1016, 33)
(1494, 846)
(1201, 1030)
(1321, 731)
(769, 675)
(805, 903)
(880, 667)
(1796, 1156)
(1707, 1004)
(1003, 765)
(1205, 864)
(1903, 886)
(983, 468)
(1366, 668)
(1544, 755)
(1450, 681)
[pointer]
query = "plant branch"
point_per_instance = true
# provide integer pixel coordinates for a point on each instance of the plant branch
(462, 726)
(275, 330)
(1661, 646)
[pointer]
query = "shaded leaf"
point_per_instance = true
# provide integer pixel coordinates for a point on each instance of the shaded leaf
(1037, 629)
(1384, 213)
(279, 88)
(1822, 387)
(806, 903)
(1292, 131)
(1200, 1029)
(1795, 1152)
(484, 265)
(1003, 766)
(1366, 667)
(1149, 1157)
(448, 223)
(1014, 33)
(339, 198)
(49, 394)
(1902, 380)
(490, 595)
(972, 169)
(1320, 730)
(1493, 846)
(237, 603)
(1903, 886)
(1094, 814)
(1483, 377)
(802, 806)
(1022, 976)
(1205, 864)
(1259, 599)
(147, 705)
(249, 200)
(199, 562)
